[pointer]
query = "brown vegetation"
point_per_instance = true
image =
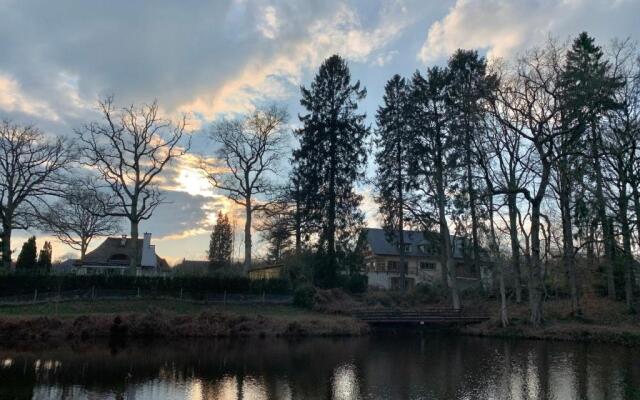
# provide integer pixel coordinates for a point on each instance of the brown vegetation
(156, 323)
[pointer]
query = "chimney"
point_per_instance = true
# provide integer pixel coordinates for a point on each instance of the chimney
(148, 252)
(123, 241)
(147, 240)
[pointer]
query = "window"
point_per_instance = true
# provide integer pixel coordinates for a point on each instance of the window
(427, 265)
(392, 266)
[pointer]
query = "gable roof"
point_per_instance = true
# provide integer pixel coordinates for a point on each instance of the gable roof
(113, 246)
(417, 240)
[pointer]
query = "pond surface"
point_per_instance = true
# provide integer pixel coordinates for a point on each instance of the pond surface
(378, 367)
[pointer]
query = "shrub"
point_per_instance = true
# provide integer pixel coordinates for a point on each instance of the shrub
(304, 296)
(357, 283)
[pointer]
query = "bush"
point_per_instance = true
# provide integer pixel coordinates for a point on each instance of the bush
(357, 283)
(304, 296)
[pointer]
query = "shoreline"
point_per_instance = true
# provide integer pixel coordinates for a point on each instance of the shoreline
(206, 324)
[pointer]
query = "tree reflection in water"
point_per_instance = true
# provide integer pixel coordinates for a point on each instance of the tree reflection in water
(396, 367)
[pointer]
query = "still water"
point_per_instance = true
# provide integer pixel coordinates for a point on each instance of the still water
(389, 367)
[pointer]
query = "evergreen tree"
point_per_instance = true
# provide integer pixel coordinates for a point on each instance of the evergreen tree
(433, 163)
(27, 259)
(392, 179)
(588, 92)
(469, 85)
(330, 160)
(44, 258)
(220, 244)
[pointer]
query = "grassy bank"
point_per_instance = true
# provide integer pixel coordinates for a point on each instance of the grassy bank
(602, 320)
(166, 319)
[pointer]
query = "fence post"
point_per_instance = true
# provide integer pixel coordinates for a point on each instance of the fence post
(263, 297)
(35, 295)
(138, 295)
(224, 301)
(93, 292)
(180, 293)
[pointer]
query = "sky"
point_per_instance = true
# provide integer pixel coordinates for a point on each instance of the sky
(217, 59)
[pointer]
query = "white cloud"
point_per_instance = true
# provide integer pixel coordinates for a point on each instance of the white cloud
(269, 24)
(504, 27)
(13, 98)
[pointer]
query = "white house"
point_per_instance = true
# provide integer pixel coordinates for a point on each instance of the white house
(112, 257)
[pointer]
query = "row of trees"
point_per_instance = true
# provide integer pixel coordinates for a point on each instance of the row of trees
(529, 159)
(543, 149)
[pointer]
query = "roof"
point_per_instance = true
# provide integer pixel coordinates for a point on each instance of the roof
(113, 246)
(417, 241)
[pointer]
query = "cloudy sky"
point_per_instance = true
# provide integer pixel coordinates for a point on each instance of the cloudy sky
(217, 58)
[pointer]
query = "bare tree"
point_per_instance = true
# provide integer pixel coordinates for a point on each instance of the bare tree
(79, 218)
(532, 94)
(129, 149)
(250, 149)
(30, 170)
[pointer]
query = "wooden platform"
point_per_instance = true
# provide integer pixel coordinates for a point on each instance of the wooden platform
(434, 316)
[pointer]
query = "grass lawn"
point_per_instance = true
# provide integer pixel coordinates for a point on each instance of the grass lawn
(72, 309)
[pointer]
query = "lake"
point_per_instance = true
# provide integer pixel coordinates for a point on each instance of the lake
(377, 367)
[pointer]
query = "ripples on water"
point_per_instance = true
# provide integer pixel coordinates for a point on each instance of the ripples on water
(404, 367)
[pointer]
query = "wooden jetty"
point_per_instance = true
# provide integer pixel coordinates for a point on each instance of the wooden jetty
(433, 316)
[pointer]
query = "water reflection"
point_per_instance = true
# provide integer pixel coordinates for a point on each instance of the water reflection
(414, 367)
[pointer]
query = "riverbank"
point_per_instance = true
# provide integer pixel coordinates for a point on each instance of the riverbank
(602, 321)
(165, 319)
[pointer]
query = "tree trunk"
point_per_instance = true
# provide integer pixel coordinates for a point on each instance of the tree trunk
(331, 220)
(515, 244)
(602, 214)
(247, 235)
(448, 272)
(403, 272)
(472, 207)
(133, 249)
(83, 249)
(626, 241)
(504, 317)
(6, 246)
(298, 223)
(567, 241)
(636, 203)
(535, 281)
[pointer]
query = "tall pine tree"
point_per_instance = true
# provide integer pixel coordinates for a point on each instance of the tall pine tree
(27, 259)
(44, 258)
(330, 160)
(433, 163)
(394, 138)
(469, 84)
(221, 242)
(589, 92)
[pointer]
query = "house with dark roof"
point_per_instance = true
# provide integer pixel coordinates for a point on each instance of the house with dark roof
(112, 257)
(422, 259)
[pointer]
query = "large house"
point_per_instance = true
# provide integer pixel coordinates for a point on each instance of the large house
(112, 257)
(422, 259)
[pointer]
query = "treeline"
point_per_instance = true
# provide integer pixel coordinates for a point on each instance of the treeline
(531, 159)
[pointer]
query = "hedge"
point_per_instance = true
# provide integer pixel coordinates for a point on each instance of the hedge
(20, 284)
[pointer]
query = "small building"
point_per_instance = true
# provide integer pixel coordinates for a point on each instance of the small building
(272, 271)
(112, 257)
(422, 259)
